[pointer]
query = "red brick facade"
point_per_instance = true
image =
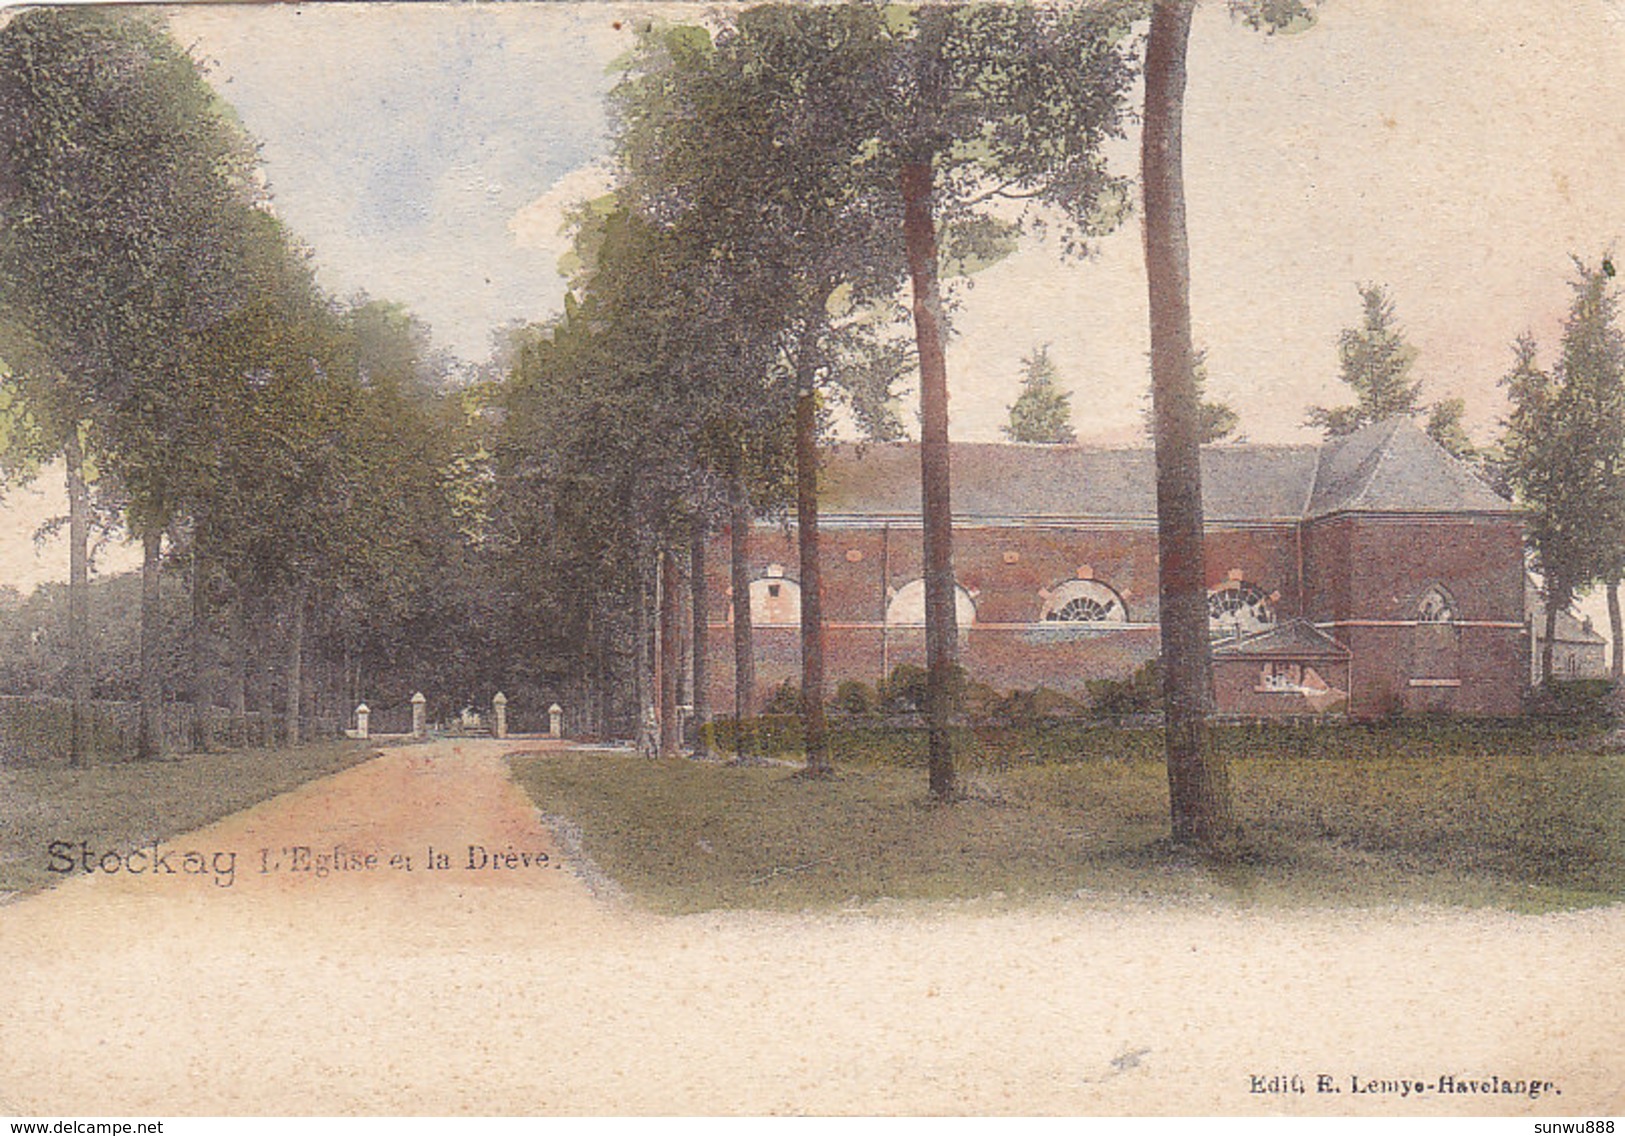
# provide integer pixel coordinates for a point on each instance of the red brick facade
(1402, 610)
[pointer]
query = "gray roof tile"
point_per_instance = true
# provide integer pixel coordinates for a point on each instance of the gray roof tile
(1393, 467)
(1292, 639)
(1389, 467)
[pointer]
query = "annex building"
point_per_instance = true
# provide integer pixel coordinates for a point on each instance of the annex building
(1369, 575)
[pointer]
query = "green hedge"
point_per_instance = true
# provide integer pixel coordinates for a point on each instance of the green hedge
(34, 731)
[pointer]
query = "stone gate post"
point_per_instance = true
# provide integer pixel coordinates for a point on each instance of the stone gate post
(555, 721)
(420, 715)
(499, 707)
(362, 714)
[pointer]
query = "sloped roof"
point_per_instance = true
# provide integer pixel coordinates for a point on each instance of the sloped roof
(1570, 628)
(1390, 467)
(1294, 639)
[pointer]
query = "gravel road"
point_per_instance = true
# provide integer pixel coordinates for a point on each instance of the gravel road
(266, 965)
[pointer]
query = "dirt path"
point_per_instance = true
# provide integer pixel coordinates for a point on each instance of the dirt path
(277, 987)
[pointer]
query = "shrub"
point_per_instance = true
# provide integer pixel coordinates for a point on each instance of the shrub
(981, 703)
(1140, 693)
(1026, 708)
(1586, 699)
(904, 691)
(856, 698)
(786, 699)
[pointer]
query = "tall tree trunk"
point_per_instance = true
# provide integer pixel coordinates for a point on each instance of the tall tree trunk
(1198, 780)
(739, 519)
(201, 701)
(699, 592)
(814, 732)
(78, 601)
(671, 659)
(648, 717)
(941, 618)
(149, 738)
(1616, 630)
(239, 680)
(310, 702)
(295, 667)
(265, 673)
(1548, 648)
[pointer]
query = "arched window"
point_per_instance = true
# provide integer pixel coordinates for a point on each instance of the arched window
(1084, 601)
(775, 600)
(1238, 608)
(907, 607)
(1436, 606)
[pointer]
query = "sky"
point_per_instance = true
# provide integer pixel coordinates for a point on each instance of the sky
(1457, 151)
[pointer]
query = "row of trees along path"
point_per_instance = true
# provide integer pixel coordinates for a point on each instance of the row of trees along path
(796, 191)
(161, 334)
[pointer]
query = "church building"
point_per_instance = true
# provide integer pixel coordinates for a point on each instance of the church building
(1369, 575)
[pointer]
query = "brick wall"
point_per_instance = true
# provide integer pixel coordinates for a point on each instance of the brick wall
(1357, 576)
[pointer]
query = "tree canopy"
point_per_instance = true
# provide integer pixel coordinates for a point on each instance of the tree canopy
(1374, 361)
(164, 333)
(1042, 412)
(1564, 447)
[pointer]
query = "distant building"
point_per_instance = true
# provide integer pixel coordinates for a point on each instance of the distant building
(1369, 575)
(1578, 651)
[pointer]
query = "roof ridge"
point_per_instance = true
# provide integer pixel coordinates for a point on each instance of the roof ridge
(1381, 452)
(1314, 483)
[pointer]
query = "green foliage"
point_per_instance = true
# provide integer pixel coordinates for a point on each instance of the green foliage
(1030, 709)
(1218, 420)
(976, 243)
(34, 649)
(1140, 693)
(855, 697)
(1574, 701)
(903, 691)
(1564, 444)
(120, 806)
(785, 699)
(980, 702)
(1042, 412)
(1374, 361)
(774, 149)
(1444, 426)
(1012, 99)
(1272, 16)
(1464, 815)
(300, 456)
(124, 187)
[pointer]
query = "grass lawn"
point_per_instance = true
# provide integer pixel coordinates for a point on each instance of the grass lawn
(121, 804)
(1342, 816)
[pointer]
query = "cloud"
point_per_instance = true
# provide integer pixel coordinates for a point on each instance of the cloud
(542, 224)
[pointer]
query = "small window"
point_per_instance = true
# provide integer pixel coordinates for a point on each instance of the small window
(775, 602)
(907, 606)
(1084, 609)
(1238, 608)
(1084, 601)
(1436, 606)
(1285, 677)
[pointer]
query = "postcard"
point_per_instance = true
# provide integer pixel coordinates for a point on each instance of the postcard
(596, 559)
